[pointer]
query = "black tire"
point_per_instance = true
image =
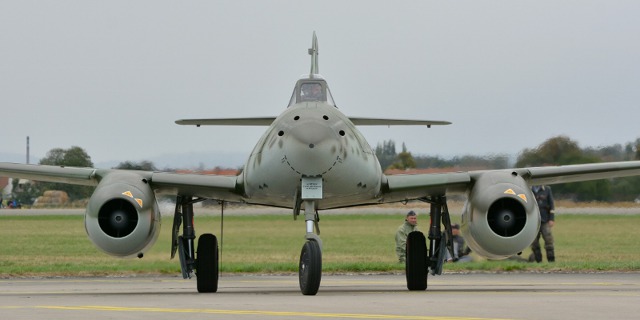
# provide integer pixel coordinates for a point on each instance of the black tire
(310, 268)
(416, 263)
(207, 263)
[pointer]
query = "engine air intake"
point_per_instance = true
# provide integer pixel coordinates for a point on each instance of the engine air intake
(507, 217)
(118, 218)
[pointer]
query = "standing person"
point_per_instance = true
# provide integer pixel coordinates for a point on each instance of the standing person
(544, 198)
(410, 224)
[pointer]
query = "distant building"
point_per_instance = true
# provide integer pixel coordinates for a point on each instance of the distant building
(5, 187)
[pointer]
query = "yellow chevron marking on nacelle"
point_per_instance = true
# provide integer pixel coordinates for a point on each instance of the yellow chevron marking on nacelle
(523, 197)
(130, 195)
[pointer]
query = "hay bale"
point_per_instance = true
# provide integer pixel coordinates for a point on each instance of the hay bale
(52, 198)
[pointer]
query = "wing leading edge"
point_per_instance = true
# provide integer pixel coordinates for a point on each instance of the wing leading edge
(413, 186)
(228, 188)
(579, 172)
(71, 175)
(206, 186)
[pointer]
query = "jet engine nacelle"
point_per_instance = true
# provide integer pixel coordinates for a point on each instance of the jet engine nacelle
(501, 216)
(122, 217)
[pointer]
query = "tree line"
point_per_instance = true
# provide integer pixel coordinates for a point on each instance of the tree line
(559, 150)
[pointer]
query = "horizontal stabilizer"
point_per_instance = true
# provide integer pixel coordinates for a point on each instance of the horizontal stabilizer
(395, 122)
(262, 121)
(266, 121)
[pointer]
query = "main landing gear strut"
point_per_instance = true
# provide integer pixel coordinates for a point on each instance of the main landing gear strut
(419, 260)
(205, 261)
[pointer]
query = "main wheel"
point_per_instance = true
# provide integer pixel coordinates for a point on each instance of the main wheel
(207, 263)
(416, 263)
(310, 268)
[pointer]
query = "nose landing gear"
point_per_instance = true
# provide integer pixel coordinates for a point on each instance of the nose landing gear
(310, 266)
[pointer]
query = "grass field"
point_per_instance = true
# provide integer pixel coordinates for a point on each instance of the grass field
(58, 246)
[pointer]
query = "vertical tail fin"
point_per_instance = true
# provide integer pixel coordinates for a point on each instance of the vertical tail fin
(313, 51)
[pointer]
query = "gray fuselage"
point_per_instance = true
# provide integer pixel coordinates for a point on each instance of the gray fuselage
(312, 139)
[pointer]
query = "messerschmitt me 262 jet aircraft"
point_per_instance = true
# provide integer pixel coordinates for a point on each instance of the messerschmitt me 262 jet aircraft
(312, 157)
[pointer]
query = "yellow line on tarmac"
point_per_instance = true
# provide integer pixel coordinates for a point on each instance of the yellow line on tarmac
(255, 312)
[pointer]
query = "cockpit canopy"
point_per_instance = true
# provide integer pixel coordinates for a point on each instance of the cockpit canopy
(311, 90)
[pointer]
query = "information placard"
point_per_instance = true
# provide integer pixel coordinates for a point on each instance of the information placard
(311, 188)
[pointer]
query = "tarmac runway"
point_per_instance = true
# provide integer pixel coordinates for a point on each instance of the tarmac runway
(450, 296)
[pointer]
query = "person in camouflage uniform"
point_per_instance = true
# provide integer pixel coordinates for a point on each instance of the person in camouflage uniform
(544, 198)
(410, 224)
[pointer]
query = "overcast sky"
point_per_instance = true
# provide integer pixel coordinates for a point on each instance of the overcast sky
(113, 76)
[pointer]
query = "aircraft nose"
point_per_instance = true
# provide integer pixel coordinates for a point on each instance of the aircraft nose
(315, 149)
(312, 134)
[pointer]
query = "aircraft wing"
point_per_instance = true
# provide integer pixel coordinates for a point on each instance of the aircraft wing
(71, 175)
(579, 172)
(258, 121)
(412, 186)
(196, 185)
(359, 121)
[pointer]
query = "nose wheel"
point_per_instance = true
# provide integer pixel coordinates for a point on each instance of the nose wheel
(310, 265)
(310, 268)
